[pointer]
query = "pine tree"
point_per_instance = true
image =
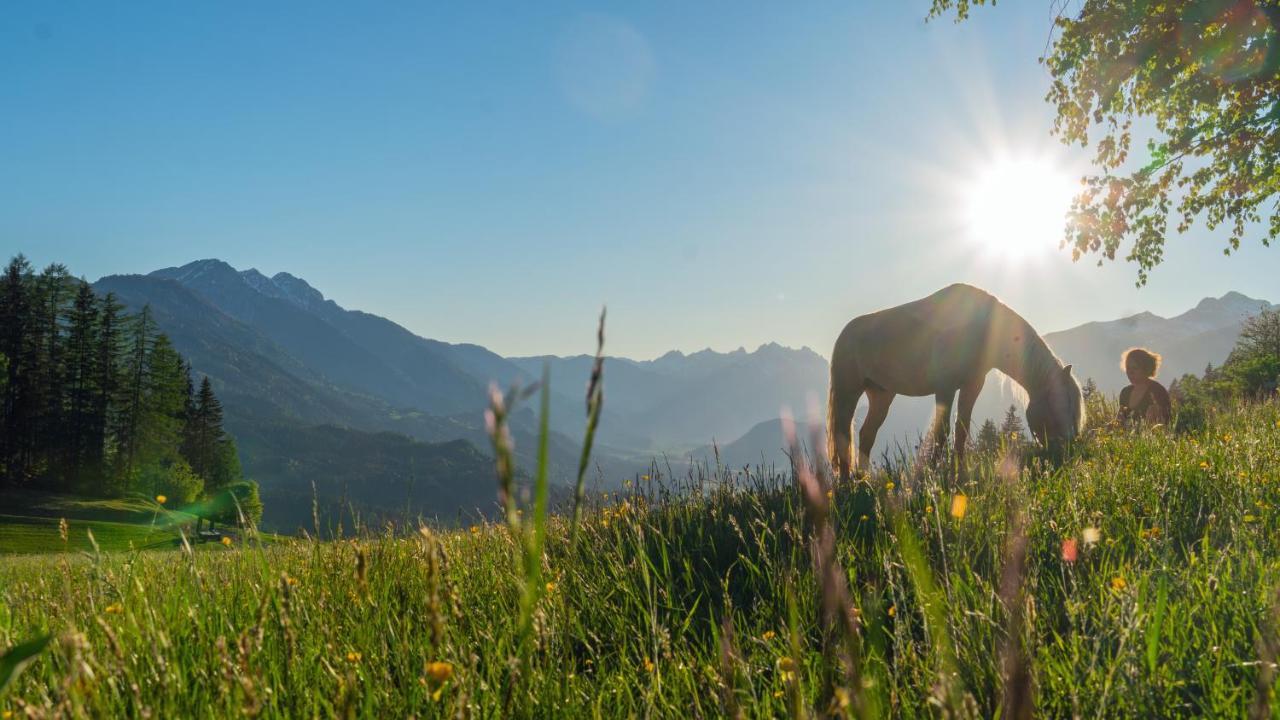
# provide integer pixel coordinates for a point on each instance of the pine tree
(16, 411)
(988, 437)
(132, 398)
(104, 420)
(205, 434)
(82, 460)
(52, 291)
(1011, 428)
(159, 428)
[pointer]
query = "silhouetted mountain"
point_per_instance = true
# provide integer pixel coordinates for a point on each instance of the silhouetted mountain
(361, 352)
(1205, 334)
(679, 401)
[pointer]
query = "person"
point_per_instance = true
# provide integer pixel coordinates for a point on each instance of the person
(1144, 400)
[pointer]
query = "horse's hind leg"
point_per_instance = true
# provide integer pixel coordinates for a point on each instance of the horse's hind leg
(879, 400)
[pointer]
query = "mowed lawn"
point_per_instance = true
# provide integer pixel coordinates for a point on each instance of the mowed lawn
(1147, 586)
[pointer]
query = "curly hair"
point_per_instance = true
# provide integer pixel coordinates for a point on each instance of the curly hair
(1142, 360)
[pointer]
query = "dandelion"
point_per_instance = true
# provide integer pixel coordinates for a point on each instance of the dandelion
(959, 506)
(645, 478)
(928, 510)
(893, 611)
(831, 495)
(768, 635)
(1091, 535)
(551, 587)
(1204, 465)
(1118, 583)
(1069, 550)
(889, 485)
(226, 541)
(439, 672)
(161, 499)
(113, 609)
(290, 580)
(863, 518)
(649, 666)
(787, 667)
(475, 530)
(354, 657)
(776, 694)
(1250, 518)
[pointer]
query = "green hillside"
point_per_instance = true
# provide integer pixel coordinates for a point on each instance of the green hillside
(1149, 588)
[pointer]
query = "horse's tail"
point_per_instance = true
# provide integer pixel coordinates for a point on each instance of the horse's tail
(842, 400)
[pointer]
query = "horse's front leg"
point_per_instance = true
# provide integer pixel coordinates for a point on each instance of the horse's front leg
(964, 416)
(943, 403)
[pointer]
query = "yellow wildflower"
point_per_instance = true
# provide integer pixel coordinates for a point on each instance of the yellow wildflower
(889, 485)
(551, 587)
(475, 530)
(439, 672)
(1204, 465)
(768, 635)
(226, 541)
(1118, 583)
(863, 518)
(290, 580)
(776, 694)
(354, 658)
(649, 666)
(113, 609)
(840, 699)
(787, 667)
(161, 499)
(893, 610)
(959, 506)
(928, 510)
(644, 477)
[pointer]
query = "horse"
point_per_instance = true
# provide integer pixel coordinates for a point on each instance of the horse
(940, 345)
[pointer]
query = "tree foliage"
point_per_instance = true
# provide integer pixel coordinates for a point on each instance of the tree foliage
(1205, 76)
(1252, 371)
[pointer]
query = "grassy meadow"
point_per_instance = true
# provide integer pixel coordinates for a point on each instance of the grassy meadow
(1139, 578)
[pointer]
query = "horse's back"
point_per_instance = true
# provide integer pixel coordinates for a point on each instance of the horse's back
(903, 348)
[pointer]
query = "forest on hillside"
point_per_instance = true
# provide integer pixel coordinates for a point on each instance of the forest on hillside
(96, 402)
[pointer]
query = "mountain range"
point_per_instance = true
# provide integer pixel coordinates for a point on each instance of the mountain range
(387, 423)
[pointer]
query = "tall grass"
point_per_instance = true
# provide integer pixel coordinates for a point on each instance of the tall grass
(1146, 585)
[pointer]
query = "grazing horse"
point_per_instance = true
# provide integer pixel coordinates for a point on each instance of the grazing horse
(940, 345)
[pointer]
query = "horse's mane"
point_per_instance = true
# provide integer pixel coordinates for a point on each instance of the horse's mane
(1038, 361)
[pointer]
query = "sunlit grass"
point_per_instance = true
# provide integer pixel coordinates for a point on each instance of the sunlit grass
(700, 602)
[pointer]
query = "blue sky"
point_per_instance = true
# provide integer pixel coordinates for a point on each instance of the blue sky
(718, 174)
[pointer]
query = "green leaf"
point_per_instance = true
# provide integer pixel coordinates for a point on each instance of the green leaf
(17, 658)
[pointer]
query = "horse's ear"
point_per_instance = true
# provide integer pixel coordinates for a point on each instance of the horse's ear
(1066, 371)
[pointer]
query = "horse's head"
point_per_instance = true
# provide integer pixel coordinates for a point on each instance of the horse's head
(1055, 412)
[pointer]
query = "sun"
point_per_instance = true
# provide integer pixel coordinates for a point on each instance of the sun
(1017, 207)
